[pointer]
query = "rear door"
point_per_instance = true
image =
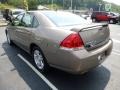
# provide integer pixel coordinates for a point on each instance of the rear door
(105, 16)
(99, 16)
(102, 16)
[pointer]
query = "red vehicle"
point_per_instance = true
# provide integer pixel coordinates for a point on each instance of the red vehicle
(111, 17)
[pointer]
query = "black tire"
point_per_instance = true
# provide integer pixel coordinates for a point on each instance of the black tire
(43, 60)
(8, 39)
(94, 20)
(112, 21)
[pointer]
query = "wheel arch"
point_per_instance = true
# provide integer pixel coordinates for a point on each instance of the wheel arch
(32, 45)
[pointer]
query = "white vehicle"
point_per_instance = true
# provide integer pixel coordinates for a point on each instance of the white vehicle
(15, 12)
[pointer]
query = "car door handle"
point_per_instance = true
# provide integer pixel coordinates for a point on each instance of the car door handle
(20, 30)
(23, 31)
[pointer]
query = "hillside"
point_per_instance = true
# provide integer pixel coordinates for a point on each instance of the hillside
(64, 4)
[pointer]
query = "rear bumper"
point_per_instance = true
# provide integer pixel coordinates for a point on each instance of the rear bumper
(77, 62)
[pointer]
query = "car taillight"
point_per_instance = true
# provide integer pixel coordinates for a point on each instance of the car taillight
(72, 41)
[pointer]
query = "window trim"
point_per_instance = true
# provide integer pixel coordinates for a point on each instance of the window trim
(31, 20)
(22, 16)
(37, 21)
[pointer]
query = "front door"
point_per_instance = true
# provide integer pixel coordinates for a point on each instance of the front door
(24, 32)
(14, 27)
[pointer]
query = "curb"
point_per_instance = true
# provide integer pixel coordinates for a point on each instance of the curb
(3, 25)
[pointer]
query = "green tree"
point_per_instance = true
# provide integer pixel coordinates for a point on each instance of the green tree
(16, 3)
(25, 4)
(33, 4)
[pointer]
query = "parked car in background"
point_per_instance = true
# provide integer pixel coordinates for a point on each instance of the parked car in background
(60, 39)
(111, 17)
(15, 12)
(6, 14)
(11, 13)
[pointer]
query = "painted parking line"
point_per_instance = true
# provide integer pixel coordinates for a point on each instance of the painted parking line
(115, 53)
(116, 41)
(118, 51)
(38, 73)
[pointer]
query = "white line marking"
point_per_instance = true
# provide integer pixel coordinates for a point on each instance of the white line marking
(115, 40)
(116, 50)
(116, 53)
(38, 73)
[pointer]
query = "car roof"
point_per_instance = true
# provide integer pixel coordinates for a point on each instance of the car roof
(17, 10)
(47, 11)
(43, 20)
(99, 11)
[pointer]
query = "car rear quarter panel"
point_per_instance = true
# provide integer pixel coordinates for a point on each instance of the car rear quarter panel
(49, 39)
(81, 60)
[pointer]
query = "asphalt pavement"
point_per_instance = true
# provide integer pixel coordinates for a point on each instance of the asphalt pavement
(16, 74)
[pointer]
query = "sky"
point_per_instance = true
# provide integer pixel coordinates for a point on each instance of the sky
(113, 1)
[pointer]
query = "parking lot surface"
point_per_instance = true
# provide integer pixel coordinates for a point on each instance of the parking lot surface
(15, 74)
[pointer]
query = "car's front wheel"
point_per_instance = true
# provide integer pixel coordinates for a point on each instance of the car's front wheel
(39, 59)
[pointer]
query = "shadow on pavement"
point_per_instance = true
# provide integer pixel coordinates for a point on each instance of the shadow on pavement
(27, 74)
(96, 79)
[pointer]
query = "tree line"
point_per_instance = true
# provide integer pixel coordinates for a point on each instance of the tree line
(65, 4)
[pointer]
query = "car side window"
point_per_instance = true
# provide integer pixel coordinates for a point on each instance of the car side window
(17, 20)
(27, 20)
(112, 14)
(35, 22)
(19, 17)
(106, 13)
(98, 13)
(102, 13)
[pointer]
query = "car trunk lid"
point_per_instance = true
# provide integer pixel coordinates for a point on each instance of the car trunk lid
(93, 36)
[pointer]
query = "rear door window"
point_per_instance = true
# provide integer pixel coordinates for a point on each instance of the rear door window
(27, 20)
(35, 22)
(19, 17)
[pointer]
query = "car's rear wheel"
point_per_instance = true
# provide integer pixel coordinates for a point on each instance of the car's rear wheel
(8, 39)
(39, 60)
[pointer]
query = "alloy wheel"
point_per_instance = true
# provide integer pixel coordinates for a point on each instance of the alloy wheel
(39, 60)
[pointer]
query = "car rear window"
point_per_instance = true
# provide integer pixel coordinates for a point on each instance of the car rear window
(60, 18)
